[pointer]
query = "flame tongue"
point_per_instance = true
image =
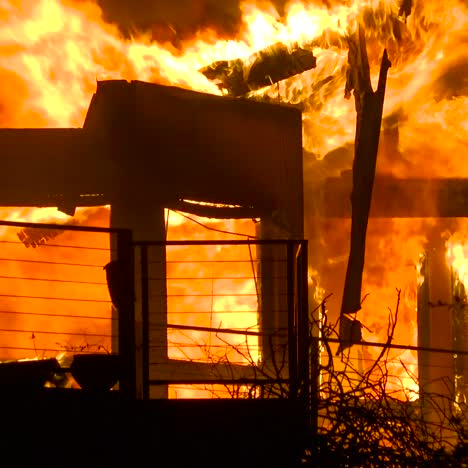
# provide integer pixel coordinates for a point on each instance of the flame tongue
(457, 257)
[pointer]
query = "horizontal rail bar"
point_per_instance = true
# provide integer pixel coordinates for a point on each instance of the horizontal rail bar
(397, 346)
(214, 330)
(218, 381)
(220, 242)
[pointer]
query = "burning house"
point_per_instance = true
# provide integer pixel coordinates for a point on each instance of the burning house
(161, 157)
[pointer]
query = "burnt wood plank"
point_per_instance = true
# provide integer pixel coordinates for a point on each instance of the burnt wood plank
(369, 108)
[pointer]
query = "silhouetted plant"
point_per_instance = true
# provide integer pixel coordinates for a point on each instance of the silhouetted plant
(358, 420)
(360, 423)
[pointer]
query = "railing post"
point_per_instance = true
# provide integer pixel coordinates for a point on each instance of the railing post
(145, 318)
(127, 354)
(292, 324)
(303, 318)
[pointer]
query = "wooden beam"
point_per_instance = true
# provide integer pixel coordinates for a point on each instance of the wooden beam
(369, 108)
(264, 68)
(398, 198)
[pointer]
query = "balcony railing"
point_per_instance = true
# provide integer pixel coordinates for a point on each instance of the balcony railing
(222, 318)
(54, 295)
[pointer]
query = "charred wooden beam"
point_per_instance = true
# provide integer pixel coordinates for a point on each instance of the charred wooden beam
(218, 211)
(268, 66)
(51, 167)
(34, 237)
(398, 198)
(369, 108)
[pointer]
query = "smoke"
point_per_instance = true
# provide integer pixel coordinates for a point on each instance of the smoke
(174, 21)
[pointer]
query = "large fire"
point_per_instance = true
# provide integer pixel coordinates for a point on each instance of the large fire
(52, 52)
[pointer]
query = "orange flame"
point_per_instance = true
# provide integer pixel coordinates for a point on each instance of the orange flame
(52, 52)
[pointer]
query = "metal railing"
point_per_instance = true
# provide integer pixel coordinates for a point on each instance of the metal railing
(187, 318)
(54, 295)
(222, 318)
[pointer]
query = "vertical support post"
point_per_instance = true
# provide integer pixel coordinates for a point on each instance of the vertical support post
(146, 221)
(157, 321)
(292, 323)
(144, 277)
(424, 332)
(127, 315)
(303, 318)
(273, 305)
(459, 336)
(441, 365)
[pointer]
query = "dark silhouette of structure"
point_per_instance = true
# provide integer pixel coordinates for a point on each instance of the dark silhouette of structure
(144, 148)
